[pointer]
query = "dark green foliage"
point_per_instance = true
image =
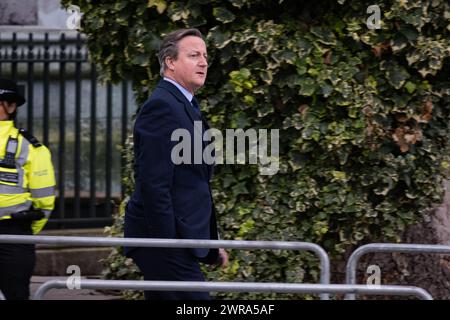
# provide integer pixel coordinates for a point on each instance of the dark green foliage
(363, 114)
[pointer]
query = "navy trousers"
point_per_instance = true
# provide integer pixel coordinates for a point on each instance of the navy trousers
(173, 264)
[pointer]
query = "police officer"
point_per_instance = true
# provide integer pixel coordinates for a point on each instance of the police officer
(27, 194)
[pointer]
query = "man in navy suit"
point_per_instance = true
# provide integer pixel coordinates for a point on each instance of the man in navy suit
(173, 200)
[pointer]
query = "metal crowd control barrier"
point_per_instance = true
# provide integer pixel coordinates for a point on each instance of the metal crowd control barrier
(182, 243)
(387, 247)
(235, 287)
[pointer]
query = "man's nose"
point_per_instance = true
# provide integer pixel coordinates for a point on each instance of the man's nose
(203, 62)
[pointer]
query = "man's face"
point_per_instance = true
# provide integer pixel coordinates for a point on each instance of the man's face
(191, 65)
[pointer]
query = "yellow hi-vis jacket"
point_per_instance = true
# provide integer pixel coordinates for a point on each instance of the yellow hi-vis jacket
(30, 182)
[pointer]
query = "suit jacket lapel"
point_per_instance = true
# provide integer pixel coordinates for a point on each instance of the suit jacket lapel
(191, 113)
(209, 167)
(180, 97)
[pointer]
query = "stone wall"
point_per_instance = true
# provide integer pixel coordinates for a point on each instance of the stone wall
(42, 13)
(24, 12)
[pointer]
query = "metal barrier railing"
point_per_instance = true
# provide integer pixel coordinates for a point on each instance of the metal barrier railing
(235, 287)
(387, 247)
(181, 243)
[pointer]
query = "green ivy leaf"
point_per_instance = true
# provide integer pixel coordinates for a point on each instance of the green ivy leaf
(223, 15)
(324, 35)
(307, 86)
(160, 5)
(411, 87)
(396, 75)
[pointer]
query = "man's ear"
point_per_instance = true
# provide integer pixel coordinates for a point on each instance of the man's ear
(169, 63)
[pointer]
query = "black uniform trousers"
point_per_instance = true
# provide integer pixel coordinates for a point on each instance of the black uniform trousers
(16, 261)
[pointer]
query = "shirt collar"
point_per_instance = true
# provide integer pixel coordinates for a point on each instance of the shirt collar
(186, 93)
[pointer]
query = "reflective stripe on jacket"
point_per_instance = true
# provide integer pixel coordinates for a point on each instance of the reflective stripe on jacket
(31, 183)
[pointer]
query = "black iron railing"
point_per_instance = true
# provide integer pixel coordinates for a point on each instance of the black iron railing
(83, 122)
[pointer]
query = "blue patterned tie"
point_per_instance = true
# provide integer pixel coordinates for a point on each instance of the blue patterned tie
(196, 106)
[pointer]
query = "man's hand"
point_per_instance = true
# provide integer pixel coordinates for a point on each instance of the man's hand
(222, 260)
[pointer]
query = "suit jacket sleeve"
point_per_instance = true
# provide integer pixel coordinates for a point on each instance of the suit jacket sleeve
(154, 127)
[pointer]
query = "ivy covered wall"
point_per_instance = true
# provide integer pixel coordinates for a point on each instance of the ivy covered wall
(363, 116)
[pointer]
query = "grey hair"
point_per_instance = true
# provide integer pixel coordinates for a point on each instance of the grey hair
(169, 45)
